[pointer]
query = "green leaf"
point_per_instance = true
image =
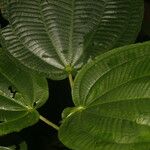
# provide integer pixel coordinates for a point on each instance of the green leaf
(112, 102)
(21, 93)
(51, 36)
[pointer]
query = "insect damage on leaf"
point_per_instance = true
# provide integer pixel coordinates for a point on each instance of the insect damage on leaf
(12, 90)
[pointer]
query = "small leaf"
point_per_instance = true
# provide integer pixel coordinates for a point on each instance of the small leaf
(7, 148)
(112, 102)
(22, 146)
(49, 35)
(21, 93)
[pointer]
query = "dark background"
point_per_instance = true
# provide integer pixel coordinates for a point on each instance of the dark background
(41, 136)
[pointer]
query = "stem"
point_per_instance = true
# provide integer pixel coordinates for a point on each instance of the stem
(49, 123)
(71, 80)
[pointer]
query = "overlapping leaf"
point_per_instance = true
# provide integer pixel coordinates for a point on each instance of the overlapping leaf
(20, 94)
(57, 36)
(112, 99)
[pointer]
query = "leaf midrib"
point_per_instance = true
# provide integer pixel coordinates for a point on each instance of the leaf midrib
(94, 32)
(63, 60)
(124, 119)
(20, 117)
(107, 92)
(17, 102)
(70, 46)
(121, 100)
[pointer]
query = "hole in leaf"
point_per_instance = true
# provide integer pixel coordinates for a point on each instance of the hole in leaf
(34, 104)
(45, 56)
(1, 121)
(13, 91)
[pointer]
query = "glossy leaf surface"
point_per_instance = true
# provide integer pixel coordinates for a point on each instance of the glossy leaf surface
(21, 93)
(112, 98)
(58, 36)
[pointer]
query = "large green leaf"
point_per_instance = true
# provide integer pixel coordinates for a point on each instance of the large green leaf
(58, 36)
(112, 102)
(21, 93)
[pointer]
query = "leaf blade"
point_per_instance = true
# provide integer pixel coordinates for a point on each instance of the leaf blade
(62, 33)
(21, 93)
(17, 124)
(113, 91)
